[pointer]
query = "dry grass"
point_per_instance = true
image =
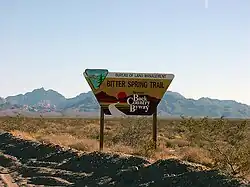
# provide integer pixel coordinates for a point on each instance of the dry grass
(198, 155)
(221, 144)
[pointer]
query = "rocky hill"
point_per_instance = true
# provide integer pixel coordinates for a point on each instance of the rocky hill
(37, 96)
(2, 100)
(172, 104)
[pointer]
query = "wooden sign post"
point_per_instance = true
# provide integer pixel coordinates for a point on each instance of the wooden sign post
(101, 128)
(127, 94)
(155, 128)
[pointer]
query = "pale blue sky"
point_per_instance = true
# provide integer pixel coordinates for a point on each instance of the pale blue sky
(49, 43)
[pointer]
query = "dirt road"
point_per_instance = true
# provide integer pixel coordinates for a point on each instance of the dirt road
(34, 164)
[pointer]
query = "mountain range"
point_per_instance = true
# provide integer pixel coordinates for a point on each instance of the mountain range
(50, 102)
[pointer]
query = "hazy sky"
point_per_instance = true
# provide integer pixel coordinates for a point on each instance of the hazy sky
(49, 43)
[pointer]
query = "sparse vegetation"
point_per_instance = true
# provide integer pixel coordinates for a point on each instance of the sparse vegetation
(216, 143)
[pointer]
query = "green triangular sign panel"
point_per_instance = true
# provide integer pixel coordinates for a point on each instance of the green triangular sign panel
(96, 76)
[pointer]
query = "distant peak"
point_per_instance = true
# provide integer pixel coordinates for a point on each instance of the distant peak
(42, 89)
(39, 90)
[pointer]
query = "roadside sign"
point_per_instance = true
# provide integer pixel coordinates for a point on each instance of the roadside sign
(128, 93)
(131, 93)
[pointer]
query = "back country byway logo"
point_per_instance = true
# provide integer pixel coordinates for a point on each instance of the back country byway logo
(137, 102)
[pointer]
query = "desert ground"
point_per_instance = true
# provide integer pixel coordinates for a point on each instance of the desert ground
(65, 152)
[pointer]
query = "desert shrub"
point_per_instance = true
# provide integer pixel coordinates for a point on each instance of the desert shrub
(196, 155)
(24, 124)
(173, 143)
(132, 131)
(136, 133)
(13, 123)
(146, 149)
(228, 143)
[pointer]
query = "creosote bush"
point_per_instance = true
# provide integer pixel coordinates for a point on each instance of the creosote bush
(228, 145)
(136, 133)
